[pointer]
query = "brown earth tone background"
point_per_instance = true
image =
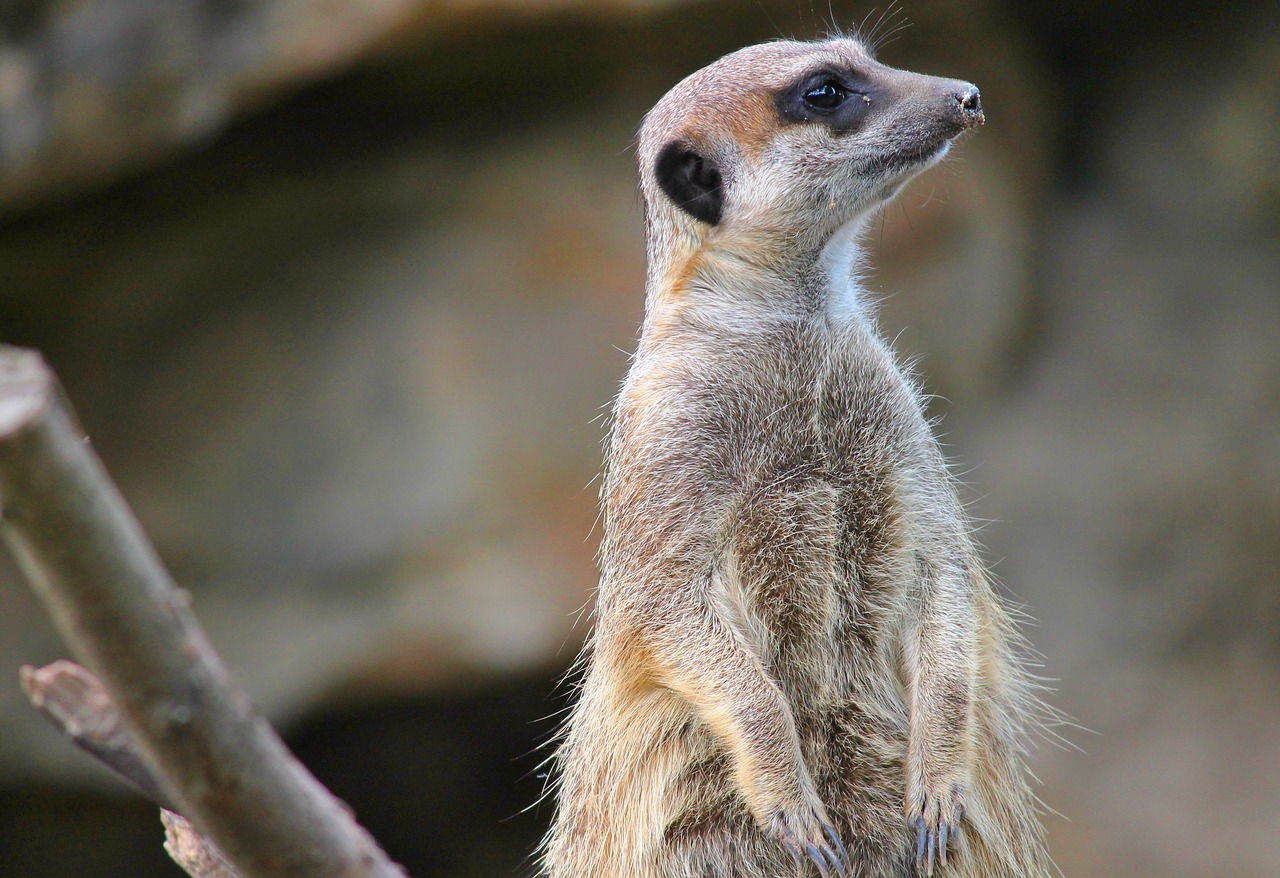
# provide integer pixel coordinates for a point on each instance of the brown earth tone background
(341, 290)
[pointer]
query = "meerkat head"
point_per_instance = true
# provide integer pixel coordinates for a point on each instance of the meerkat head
(782, 144)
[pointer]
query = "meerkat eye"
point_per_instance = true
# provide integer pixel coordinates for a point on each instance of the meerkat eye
(825, 96)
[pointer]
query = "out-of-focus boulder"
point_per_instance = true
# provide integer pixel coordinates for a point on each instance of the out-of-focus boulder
(92, 89)
(1134, 465)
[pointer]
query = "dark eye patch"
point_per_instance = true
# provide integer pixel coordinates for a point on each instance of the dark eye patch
(839, 99)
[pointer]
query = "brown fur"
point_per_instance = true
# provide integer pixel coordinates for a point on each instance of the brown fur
(793, 627)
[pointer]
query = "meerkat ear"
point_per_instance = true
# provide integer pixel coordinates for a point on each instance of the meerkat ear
(691, 180)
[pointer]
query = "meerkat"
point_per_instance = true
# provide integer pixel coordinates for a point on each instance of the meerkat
(798, 661)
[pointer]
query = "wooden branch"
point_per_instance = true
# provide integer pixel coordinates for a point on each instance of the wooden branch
(116, 607)
(197, 856)
(74, 701)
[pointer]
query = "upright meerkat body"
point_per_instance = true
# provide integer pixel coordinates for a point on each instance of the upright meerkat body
(797, 656)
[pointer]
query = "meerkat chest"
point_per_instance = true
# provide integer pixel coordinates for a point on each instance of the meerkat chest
(823, 433)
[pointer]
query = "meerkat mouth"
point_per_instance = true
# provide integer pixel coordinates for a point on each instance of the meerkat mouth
(913, 159)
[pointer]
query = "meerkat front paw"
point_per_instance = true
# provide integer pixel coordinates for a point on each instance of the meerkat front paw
(935, 815)
(807, 835)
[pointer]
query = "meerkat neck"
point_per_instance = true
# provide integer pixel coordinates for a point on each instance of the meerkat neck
(749, 275)
(841, 260)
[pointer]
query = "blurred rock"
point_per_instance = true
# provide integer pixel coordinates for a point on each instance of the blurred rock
(93, 89)
(1134, 471)
(386, 450)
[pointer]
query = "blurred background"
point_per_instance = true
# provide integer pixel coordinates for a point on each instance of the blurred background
(341, 290)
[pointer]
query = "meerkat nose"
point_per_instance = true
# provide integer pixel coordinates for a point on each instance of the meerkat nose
(969, 101)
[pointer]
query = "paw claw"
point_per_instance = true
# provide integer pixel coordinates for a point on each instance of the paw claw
(921, 837)
(814, 841)
(844, 866)
(819, 860)
(937, 825)
(837, 865)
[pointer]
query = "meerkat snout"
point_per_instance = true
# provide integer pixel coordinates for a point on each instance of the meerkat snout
(970, 102)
